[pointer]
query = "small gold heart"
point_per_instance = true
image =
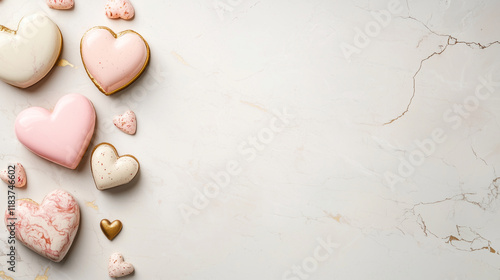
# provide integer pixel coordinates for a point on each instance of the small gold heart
(109, 229)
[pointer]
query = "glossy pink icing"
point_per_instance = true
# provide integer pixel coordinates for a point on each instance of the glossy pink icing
(49, 228)
(19, 174)
(61, 136)
(113, 62)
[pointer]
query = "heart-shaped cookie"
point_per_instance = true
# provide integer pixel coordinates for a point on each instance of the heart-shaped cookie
(47, 228)
(126, 122)
(113, 61)
(111, 230)
(61, 136)
(110, 170)
(60, 4)
(119, 9)
(117, 267)
(28, 53)
(15, 171)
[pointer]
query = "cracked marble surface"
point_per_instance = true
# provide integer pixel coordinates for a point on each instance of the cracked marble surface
(382, 160)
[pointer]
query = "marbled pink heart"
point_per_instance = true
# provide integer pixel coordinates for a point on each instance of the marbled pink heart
(61, 136)
(113, 61)
(117, 267)
(119, 9)
(19, 175)
(60, 4)
(48, 228)
(126, 122)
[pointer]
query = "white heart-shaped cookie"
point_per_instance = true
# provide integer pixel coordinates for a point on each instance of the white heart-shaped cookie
(117, 267)
(28, 53)
(110, 170)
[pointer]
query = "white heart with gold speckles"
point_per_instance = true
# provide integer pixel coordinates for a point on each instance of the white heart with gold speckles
(111, 170)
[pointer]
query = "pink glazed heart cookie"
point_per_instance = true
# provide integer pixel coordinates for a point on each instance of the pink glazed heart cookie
(47, 228)
(16, 173)
(60, 4)
(119, 9)
(61, 136)
(126, 122)
(113, 61)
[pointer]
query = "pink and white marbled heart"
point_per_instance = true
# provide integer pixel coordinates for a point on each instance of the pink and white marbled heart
(48, 228)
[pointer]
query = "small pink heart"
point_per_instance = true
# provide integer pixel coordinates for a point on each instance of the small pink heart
(60, 4)
(113, 61)
(19, 175)
(119, 9)
(61, 136)
(126, 122)
(48, 228)
(117, 267)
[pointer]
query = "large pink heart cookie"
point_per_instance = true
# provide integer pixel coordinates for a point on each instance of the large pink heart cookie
(47, 228)
(61, 136)
(113, 61)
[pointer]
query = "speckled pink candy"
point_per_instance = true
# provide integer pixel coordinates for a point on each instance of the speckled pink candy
(49, 228)
(60, 4)
(20, 176)
(126, 122)
(119, 9)
(117, 267)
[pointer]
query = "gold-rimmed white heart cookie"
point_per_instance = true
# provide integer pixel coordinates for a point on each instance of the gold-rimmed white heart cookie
(111, 170)
(30, 52)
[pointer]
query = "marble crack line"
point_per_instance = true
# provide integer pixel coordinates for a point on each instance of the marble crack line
(414, 83)
(458, 238)
(493, 194)
(451, 238)
(478, 157)
(451, 41)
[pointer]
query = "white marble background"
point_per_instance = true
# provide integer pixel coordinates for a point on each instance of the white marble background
(389, 151)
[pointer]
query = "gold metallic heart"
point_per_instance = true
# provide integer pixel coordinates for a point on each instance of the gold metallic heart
(109, 229)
